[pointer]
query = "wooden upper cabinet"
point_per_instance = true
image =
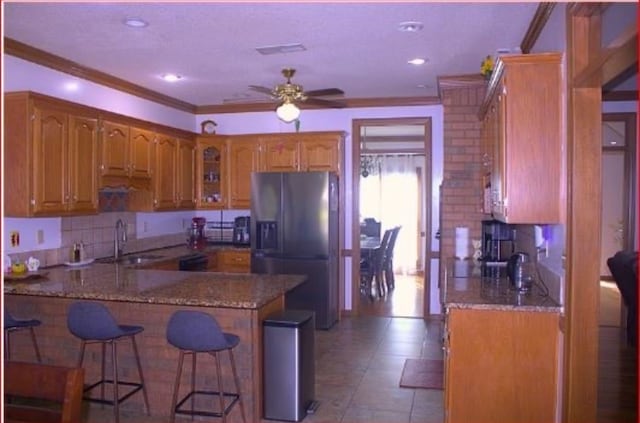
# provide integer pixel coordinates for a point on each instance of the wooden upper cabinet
(126, 155)
(114, 149)
(46, 174)
(165, 175)
(211, 176)
(279, 154)
(51, 161)
(526, 179)
(185, 179)
(301, 152)
(83, 163)
(140, 153)
(243, 158)
(321, 153)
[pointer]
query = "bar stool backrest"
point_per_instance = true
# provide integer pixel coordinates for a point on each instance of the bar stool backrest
(89, 320)
(195, 331)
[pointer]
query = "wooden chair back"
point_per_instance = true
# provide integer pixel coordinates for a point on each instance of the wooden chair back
(33, 387)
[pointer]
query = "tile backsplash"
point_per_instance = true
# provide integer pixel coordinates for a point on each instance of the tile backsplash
(548, 257)
(145, 231)
(97, 232)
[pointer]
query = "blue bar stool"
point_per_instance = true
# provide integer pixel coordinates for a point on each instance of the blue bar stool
(194, 332)
(14, 325)
(93, 323)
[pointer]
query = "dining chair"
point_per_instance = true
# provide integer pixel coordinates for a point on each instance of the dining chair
(42, 393)
(371, 267)
(371, 228)
(387, 264)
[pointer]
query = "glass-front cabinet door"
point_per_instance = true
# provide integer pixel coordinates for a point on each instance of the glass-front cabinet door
(210, 173)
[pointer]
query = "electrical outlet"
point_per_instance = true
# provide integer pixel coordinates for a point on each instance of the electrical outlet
(40, 236)
(145, 227)
(15, 238)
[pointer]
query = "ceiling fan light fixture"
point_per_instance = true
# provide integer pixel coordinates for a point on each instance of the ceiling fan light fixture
(171, 77)
(288, 112)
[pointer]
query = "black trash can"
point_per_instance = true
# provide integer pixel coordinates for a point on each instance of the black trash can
(289, 365)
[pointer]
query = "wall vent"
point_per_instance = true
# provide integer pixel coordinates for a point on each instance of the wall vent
(280, 49)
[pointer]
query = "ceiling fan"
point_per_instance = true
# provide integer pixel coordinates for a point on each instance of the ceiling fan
(288, 94)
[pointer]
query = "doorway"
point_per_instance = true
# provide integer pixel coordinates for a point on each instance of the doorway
(392, 184)
(618, 217)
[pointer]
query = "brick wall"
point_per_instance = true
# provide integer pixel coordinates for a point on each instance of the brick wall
(159, 359)
(462, 183)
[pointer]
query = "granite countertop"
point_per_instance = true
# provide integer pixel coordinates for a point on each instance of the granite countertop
(472, 285)
(120, 282)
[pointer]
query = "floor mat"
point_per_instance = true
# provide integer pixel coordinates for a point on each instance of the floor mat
(422, 373)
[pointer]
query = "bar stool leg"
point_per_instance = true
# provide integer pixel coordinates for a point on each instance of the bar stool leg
(103, 350)
(114, 362)
(220, 386)
(176, 388)
(144, 385)
(237, 382)
(194, 356)
(35, 344)
(7, 350)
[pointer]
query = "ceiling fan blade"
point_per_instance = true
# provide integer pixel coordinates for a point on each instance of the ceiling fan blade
(326, 91)
(325, 103)
(263, 90)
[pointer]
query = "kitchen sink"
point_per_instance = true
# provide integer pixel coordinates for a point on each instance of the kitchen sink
(132, 259)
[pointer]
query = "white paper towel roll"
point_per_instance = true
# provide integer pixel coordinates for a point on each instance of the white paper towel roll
(462, 242)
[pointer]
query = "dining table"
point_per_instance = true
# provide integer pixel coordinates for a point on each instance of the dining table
(369, 246)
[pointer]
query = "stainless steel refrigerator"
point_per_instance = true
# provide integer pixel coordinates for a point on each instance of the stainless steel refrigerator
(294, 227)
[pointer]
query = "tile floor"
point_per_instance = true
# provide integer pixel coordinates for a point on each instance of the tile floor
(358, 367)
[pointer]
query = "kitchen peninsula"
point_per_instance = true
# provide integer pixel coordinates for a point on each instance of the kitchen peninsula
(239, 302)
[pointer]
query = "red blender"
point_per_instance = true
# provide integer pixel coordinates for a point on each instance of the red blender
(195, 234)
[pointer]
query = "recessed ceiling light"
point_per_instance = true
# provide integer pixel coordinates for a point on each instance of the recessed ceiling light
(410, 26)
(71, 86)
(171, 77)
(417, 61)
(423, 86)
(136, 23)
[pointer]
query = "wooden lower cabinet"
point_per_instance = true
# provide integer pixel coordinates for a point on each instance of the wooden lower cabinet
(501, 366)
(234, 261)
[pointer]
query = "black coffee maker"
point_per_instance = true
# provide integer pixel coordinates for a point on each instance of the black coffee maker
(241, 230)
(497, 241)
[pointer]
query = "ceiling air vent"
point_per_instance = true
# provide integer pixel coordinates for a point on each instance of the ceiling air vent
(280, 49)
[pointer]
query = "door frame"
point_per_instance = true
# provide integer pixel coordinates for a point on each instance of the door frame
(629, 149)
(589, 66)
(428, 253)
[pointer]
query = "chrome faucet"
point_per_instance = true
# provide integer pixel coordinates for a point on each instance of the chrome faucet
(120, 237)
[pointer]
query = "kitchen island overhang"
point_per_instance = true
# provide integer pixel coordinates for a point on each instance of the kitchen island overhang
(240, 302)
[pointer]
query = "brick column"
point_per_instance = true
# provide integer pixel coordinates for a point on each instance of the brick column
(461, 189)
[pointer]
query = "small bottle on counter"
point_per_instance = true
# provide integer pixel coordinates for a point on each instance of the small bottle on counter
(75, 253)
(81, 253)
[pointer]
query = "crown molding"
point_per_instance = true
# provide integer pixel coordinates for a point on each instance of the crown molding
(349, 103)
(43, 58)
